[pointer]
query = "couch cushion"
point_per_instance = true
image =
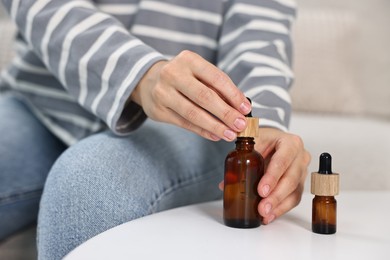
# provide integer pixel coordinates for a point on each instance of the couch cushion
(342, 61)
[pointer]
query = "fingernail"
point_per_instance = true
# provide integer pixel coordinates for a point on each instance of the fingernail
(229, 134)
(265, 190)
(267, 208)
(271, 218)
(240, 123)
(245, 108)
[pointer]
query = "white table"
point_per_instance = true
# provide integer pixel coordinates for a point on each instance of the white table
(197, 232)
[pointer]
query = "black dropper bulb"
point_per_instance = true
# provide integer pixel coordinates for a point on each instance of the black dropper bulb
(250, 113)
(325, 164)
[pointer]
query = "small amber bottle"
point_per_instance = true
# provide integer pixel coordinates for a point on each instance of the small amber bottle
(324, 185)
(244, 168)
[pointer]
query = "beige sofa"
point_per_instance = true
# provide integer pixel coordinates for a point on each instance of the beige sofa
(341, 96)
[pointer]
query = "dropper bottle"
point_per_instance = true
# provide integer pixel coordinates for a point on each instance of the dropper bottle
(324, 185)
(244, 168)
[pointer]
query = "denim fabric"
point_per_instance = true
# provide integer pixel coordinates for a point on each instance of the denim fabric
(27, 151)
(106, 180)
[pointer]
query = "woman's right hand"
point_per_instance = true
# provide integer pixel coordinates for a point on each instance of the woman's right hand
(192, 93)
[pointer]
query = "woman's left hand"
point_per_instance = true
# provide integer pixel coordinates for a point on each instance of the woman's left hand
(286, 160)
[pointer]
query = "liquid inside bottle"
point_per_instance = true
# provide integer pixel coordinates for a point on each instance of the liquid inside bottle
(244, 168)
(324, 215)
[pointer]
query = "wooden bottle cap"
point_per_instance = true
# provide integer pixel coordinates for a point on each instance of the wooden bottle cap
(252, 128)
(324, 184)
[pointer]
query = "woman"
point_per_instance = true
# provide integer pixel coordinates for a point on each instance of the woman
(87, 76)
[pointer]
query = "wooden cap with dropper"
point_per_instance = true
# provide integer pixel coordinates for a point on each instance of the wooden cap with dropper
(325, 182)
(252, 126)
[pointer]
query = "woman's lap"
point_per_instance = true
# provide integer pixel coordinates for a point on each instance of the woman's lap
(105, 180)
(100, 182)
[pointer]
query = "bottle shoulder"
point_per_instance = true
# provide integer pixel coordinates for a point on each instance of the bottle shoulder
(246, 154)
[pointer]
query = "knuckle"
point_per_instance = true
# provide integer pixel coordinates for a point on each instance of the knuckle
(297, 140)
(226, 114)
(186, 124)
(205, 96)
(219, 78)
(292, 183)
(216, 129)
(168, 72)
(186, 56)
(271, 179)
(277, 198)
(236, 95)
(205, 134)
(191, 114)
(280, 164)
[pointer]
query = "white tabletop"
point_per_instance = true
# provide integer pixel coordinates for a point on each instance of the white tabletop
(197, 232)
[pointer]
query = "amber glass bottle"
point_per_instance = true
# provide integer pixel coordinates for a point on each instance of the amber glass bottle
(324, 215)
(324, 185)
(244, 168)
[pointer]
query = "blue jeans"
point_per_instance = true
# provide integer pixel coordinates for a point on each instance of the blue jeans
(27, 152)
(106, 180)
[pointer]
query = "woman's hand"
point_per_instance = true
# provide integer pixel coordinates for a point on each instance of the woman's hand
(191, 93)
(286, 169)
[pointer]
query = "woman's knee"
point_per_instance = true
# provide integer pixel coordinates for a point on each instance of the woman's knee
(88, 191)
(94, 173)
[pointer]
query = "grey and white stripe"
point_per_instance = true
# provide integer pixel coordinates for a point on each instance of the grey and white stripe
(78, 61)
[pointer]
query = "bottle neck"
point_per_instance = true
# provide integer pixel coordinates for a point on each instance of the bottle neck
(245, 143)
(324, 198)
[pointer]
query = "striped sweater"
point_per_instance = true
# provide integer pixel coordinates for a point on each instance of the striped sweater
(78, 61)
